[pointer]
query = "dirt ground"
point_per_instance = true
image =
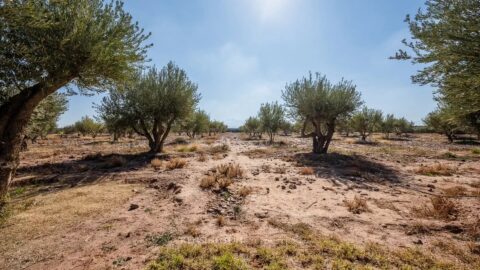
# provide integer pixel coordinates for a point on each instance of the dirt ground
(87, 203)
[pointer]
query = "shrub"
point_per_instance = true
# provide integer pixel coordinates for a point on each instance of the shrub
(217, 149)
(156, 163)
(224, 183)
(438, 169)
(176, 163)
(245, 191)
(228, 262)
(229, 170)
(357, 206)
(159, 239)
(202, 157)
(306, 171)
(192, 230)
(476, 151)
(208, 182)
(188, 148)
(455, 191)
(440, 208)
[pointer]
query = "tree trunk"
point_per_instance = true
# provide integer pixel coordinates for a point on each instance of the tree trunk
(449, 137)
(322, 142)
(14, 117)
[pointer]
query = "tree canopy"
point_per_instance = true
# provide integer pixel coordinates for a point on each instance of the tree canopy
(152, 102)
(46, 45)
(271, 117)
(445, 38)
(315, 98)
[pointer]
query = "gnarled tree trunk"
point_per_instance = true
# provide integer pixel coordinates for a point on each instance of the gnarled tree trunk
(14, 117)
(321, 141)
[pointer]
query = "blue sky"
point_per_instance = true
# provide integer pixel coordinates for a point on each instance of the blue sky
(243, 52)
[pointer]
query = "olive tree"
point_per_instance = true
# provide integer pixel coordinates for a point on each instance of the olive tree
(271, 116)
(388, 125)
(88, 126)
(153, 102)
(315, 98)
(443, 122)
(444, 42)
(110, 111)
(366, 121)
(252, 126)
(217, 127)
(197, 124)
(46, 45)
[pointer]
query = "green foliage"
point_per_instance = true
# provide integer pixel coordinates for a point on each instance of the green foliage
(197, 123)
(87, 41)
(445, 42)
(322, 103)
(442, 121)
(217, 127)
(388, 125)
(366, 121)
(152, 102)
(88, 126)
(271, 117)
(252, 126)
(45, 116)
(110, 111)
(311, 250)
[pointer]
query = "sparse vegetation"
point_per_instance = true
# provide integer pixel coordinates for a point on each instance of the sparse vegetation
(358, 205)
(306, 171)
(438, 169)
(176, 163)
(439, 208)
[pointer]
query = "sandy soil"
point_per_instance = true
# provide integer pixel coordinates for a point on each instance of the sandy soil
(86, 203)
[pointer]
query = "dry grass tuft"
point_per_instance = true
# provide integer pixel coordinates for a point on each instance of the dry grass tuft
(202, 157)
(306, 171)
(440, 208)
(418, 228)
(438, 169)
(208, 182)
(223, 176)
(220, 221)
(245, 191)
(224, 183)
(176, 163)
(188, 148)
(357, 206)
(218, 149)
(192, 230)
(455, 191)
(229, 170)
(156, 163)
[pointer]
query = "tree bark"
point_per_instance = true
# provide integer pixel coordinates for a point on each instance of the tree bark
(14, 117)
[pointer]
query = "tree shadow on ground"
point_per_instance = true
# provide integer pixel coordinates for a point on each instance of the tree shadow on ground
(348, 169)
(48, 177)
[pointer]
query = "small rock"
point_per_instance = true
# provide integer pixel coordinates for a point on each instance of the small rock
(178, 200)
(418, 242)
(261, 215)
(133, 207)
